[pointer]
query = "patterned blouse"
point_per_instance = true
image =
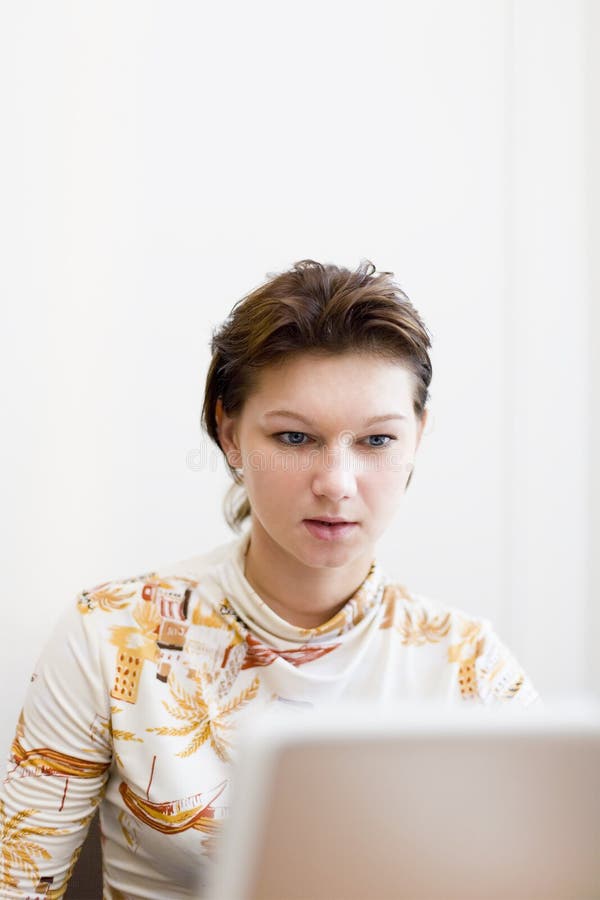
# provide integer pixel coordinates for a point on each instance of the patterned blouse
(137, 696)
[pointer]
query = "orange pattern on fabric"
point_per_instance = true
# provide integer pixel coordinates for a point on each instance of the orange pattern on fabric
(103, 599)
(466, 652)
(17, 847)
(52, 762)
(175, 816)
(416, 628)
(393, 595)
(135, 646)
(204, 718)
(259, 654)
(424, 630)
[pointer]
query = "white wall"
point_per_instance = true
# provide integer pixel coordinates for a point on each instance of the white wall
(162, 158)
(592, 151)
(547, 392)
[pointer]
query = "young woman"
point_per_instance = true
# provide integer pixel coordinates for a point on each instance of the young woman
(316, 395)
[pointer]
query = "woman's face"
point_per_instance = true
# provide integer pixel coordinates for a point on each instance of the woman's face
(308, 450)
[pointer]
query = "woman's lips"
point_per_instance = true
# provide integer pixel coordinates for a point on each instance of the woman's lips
(329, 532)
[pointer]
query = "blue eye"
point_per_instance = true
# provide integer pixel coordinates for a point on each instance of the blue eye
(388, 437)
(291, 443)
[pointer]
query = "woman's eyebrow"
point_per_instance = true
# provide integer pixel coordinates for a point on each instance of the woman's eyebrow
(288, 413)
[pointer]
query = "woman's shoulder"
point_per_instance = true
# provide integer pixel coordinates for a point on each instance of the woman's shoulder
(149, 621)
(485, 665)
(167, 585)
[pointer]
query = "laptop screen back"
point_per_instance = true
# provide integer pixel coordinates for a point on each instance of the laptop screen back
(477, 808)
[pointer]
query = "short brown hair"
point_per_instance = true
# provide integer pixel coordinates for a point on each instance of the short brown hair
(317, 308)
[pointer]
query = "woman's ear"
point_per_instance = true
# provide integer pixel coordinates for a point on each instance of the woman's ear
(227, 431)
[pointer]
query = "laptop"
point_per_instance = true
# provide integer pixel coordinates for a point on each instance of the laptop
(415, 802)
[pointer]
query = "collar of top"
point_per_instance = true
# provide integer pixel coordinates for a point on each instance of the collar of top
(355, 615)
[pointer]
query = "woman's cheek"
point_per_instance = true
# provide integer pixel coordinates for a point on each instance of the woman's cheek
(390, 481)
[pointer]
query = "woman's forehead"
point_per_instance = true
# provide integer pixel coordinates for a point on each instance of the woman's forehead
(309, 387)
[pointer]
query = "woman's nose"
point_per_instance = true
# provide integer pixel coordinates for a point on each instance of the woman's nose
(334, 474)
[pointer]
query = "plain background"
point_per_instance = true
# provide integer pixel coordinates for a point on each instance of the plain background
(159, 159)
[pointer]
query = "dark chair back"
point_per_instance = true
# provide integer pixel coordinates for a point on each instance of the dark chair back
(86, 880)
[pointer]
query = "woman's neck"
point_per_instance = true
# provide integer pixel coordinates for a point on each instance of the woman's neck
(304, 596)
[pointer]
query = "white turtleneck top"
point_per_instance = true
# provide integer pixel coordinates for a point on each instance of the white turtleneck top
(137, 696)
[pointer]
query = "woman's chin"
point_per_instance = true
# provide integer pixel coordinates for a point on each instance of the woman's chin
(322, 552)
